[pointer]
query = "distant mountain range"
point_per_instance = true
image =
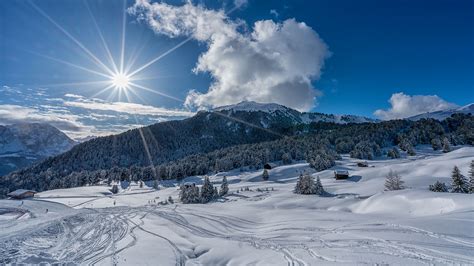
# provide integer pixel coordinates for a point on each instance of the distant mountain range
(246, 122)
(23, 144)
(293, 116)
(242, 123)
(443, 114)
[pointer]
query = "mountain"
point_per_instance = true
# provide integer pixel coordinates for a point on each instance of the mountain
(269, 112)
(23, 144)
(443, 114)
(243, 123)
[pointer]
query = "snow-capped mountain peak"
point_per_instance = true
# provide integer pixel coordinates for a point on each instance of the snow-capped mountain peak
(251, 106)
(443, 114)
(266, 114)
(25, 143)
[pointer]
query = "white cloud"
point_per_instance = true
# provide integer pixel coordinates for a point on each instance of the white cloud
(64, 121)
(71, 95)
(129, 108)
(274, 13)
(403, 106)
(274, 62)
(78, 116)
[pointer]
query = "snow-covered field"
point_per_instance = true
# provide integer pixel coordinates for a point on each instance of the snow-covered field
(267, 225)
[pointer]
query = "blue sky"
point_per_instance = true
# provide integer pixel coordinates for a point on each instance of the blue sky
(326, 56)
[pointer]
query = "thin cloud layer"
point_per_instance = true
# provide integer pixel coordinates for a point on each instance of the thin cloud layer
(78, 116)
(272, 62)
(403, 106)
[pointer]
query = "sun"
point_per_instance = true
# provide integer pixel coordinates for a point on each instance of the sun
(120, 81)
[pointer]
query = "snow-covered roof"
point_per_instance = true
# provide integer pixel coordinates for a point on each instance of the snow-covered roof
(342, 172)
(19, 192)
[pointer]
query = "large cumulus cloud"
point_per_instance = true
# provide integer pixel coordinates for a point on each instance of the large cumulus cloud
(270, 62)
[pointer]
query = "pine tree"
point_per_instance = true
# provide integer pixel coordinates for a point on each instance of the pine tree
(224, 187)
(305, 185)
(319, 187)
(189, 193)
(471, 178)
(114, 189)
(446, 145)
(265, 175)
(438, 187)
(393, 181)
(155, 184)
(436, 144)
(459, 184)
(286, 158)
(207, 191)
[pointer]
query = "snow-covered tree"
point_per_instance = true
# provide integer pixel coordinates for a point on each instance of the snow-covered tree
(393, 153)
(436, 144)
(393, 181)
(114, 189)
(224, 187)
(471, 177)
(286, 158)
(306, 185)
(446, 145)
(155, 184)
(459, 182)
(189, 193)
(207, 191)
(319, 186)
(265, 175)
(438, 187)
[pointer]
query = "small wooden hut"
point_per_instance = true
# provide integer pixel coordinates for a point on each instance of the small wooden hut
(341, 174)
(269, 166)
(21, 194)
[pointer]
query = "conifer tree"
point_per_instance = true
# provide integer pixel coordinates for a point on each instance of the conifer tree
(438, 187)
(393, 181)
(224, 187)
(459, 184)
(305, 185)
(446, 145)
(265, 175)
(207, 191)
(319, 187)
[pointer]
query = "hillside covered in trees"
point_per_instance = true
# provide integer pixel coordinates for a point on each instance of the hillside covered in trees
(194, 147)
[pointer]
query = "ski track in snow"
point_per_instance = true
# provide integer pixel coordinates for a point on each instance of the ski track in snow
(92, 236)
(315, 235)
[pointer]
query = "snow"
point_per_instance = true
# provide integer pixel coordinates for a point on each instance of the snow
(443, 114)
(357, 223)
(251, 106)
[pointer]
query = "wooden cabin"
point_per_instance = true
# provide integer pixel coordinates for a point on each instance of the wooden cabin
(363, 164)
(341, 174)
(21, 194)
(269, 166)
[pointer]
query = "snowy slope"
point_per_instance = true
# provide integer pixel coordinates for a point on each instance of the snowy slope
(266, 225)
(22, 144)
(440, 115)
(272, 113)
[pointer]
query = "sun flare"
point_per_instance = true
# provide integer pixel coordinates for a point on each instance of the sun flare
(120, 81)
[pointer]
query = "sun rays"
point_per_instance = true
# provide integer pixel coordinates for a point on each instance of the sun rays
(120, 78)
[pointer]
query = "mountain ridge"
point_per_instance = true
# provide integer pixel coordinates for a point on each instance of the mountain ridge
(25, 143)
(443, 114)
